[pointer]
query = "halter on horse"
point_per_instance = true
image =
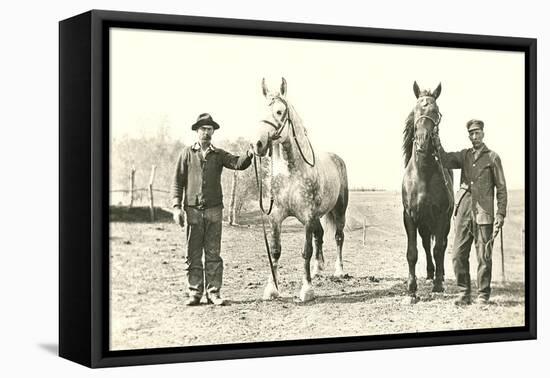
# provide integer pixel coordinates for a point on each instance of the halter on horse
(304, 187)
(426, 191)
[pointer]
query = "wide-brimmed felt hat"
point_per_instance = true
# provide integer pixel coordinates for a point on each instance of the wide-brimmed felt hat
(474, 124)
(205, 119)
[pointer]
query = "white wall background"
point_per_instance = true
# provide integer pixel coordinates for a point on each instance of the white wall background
(28, 151)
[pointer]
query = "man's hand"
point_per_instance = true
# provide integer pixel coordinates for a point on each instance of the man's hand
(178, 217)
(499, 221)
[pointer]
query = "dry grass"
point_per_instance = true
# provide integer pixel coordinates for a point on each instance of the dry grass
(148, 289)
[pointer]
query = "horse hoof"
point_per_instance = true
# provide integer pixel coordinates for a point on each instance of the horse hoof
(306, 294)
(429, 280)
(270, 293)
(317, 268)
(338, 271)
(438, 288)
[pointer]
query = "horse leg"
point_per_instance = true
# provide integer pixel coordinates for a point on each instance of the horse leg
(306, 293)
(427, 245)
(270, 291)
(439, 255)
(339, 237)
(412, 254)
(319, 261)
(338, 219)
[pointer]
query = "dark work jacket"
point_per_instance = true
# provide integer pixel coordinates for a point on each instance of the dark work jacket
(201, 178)
(479, 177)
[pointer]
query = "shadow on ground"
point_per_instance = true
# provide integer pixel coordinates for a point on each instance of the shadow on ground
(507, 295)
(138, 215)
(50, 348)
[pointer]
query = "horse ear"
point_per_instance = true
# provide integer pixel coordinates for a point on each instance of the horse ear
(437, 91)
(416, 89)
(264, 88)
(283, 87)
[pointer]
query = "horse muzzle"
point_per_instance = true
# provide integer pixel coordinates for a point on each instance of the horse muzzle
(261, 148)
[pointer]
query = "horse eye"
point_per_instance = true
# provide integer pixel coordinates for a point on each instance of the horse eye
(279, 112)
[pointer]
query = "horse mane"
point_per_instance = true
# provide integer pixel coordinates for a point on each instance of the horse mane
(301, 129)
(293, 114)
(408, 137)
(425, 92)
(303, 144)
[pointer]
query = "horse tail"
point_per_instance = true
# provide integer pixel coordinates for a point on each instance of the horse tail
(330, 224)
(343, 196)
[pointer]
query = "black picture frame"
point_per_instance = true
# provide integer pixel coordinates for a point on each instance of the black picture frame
(84, 189)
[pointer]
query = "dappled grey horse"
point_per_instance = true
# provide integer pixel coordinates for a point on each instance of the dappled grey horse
(304, 184)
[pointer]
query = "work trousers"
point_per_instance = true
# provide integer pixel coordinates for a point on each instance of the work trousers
(204, 234)
(466, 232)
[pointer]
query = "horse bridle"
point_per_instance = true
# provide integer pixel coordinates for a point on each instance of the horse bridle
(279, 129)
(435, 122)
(435, 131)
(285, 118)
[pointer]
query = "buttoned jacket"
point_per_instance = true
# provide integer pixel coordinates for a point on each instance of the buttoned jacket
(200, 177)
(481, 175)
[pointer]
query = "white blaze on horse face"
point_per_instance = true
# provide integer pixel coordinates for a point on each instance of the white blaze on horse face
(425, 101)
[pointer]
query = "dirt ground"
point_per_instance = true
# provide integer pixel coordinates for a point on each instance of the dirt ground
(148, 288)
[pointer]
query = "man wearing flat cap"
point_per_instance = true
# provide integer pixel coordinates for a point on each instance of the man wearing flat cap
(197, 186)
(475, 220)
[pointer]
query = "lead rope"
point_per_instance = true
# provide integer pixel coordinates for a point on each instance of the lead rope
(437, 153)
(259, 186)
(486, 243)
(437, 157)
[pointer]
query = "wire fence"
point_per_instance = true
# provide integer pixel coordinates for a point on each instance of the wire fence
(150, 190)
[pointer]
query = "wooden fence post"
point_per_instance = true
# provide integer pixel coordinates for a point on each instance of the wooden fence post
(232, 207)
(502, 271)
(151, 202)
(364, 231)
(132, 176)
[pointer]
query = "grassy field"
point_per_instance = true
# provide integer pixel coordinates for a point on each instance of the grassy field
(148, 288)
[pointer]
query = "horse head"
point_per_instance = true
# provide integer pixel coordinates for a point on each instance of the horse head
(426, 117)
(273, 128)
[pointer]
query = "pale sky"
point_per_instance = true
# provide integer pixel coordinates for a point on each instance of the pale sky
(353, 97)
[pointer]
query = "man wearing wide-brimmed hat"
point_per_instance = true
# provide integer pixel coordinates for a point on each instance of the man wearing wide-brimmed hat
(481, 174)
(197, 185)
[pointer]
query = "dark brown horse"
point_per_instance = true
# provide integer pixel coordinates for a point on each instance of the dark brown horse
(427, 190)
(306, 184)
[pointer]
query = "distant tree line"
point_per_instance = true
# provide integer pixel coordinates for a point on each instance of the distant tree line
(366, 189)
(141, 153)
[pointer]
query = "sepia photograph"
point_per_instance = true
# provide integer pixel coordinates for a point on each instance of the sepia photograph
(266, 189)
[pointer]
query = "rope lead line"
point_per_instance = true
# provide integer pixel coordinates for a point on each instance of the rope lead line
(259, 186)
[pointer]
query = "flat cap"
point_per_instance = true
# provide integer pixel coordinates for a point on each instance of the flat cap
(475, 124)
